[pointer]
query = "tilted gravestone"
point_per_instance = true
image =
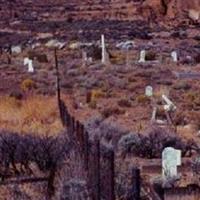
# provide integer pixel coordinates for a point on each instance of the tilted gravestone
(171, 159)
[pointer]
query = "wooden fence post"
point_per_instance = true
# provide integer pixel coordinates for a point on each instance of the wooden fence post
(111, 176)
(78, 132)
(136, 184)
(94, 170)
(86, 149)
(82, 138)
(73, 126)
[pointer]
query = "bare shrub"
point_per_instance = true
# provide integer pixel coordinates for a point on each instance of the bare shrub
(106, 131)
(152, 144)
(150, 56)
(197, 58)
(72, 183)
(130, 144)
(47, 151)
(109, 111)
(124, 103)
(196, 165)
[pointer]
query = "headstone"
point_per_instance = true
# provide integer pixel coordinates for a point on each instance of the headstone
(174, 56)
(149, 91)
(194, 14)
(105, 56)
(142, 56)
(84, 55)
(55, 44)
(171, 159)
(34, 46)
(16, 49)
(29, 62)
(126, 45)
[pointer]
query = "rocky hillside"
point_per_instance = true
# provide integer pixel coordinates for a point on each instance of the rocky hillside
(174, 8)
(149, 10)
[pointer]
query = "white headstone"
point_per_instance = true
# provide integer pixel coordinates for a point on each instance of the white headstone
(16, 49)
(149, 91)
(55, 44)
(29, 62)
(105, 56)
(171, 158)
(194, 14)
(84, 56)
(174, 56)
(142, 56)
(103, 60)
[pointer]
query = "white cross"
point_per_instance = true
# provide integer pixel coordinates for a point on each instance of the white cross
(29, 62)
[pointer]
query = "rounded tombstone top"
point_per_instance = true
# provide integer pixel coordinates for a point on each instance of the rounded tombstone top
(171, 156)
(149, 91)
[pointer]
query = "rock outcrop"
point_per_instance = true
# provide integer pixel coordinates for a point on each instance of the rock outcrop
(100, 9)
(174, 9)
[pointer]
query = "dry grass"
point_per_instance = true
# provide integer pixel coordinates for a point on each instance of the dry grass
(36, 114)
(161, 90)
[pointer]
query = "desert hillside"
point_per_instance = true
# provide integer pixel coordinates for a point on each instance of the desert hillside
(101, 9)
(99, 99)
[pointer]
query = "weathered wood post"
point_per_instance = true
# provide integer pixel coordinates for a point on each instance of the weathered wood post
(136, 184)
(50, 183)
(86, 149)
(111, 176)
(57, 74)
(82, 132)
(60, 103)
(78, 133)
(94, 170)
(73, 125)
(97, 188)
(9, 54)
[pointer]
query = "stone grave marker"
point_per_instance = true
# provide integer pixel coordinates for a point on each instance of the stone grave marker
(149, 91)
(142, 56)
(84, 57)
(105, 56)
(16, 49)
(174, 56)
(171, 159)
(29, 62)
